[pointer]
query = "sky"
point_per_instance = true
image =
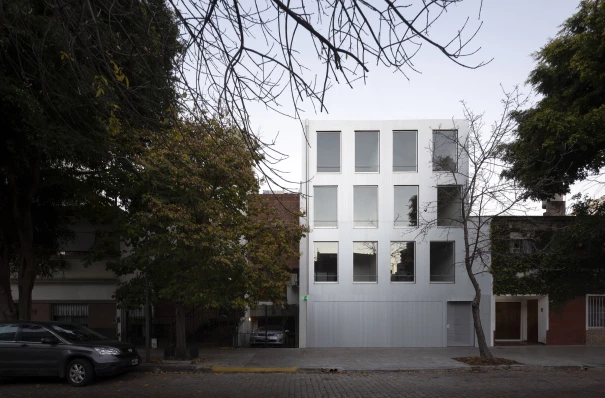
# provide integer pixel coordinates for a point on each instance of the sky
(512, 30)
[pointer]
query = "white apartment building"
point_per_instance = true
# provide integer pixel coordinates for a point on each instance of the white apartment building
(382, 264)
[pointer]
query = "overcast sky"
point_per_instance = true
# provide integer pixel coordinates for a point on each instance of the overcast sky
(512, 30)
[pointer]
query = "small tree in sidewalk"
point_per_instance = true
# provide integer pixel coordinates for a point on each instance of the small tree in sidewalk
(470, 191)
(199, 228)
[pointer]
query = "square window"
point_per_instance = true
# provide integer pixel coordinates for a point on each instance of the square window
(406, 206)
(522, 246)
(364, 261)
(325, 207)
(445, 150)
(449, 206)
(403, 262)
(367, 152)
(326, 261)
(405, 150)
(443, 265)
(365, 207)
(328, 152)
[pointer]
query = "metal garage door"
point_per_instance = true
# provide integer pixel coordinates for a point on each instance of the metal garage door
(460, 331)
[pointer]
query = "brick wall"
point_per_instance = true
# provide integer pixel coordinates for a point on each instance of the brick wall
(595, 337)
(40, 312)
(100, 318)
(286, 206)
(568, 326)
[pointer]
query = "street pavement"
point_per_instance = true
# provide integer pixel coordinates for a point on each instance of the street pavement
(450, 384)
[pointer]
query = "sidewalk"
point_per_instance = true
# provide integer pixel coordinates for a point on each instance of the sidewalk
(377, 359)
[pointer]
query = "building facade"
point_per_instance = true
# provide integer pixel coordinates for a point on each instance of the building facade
(382, 264)
(522, 313)
(79, 293)
(85, 294)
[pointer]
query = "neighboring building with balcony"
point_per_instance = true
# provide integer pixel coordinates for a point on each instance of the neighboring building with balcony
(369, 275)
(79, 293)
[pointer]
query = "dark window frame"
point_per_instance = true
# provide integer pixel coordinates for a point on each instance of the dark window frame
(438, 165)
(317, 153)
(358, 133)
(415, 132)
(453, 266)
(415, 225)
(413, 261)
(316, 261)
(375, 248)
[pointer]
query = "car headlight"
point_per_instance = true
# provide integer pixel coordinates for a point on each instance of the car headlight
(107, 351)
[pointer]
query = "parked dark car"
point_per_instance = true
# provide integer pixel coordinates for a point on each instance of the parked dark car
(61, 349)
(273, 335)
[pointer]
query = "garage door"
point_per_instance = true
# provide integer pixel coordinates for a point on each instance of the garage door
(460, 332)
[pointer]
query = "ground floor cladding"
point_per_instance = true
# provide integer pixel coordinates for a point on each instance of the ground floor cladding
(427, 323)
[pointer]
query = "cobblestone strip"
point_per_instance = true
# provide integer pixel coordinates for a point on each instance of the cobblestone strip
(450, 384)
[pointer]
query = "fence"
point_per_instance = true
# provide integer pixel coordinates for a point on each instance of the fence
(212, 327)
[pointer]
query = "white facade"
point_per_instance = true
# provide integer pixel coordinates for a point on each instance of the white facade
(377, 311)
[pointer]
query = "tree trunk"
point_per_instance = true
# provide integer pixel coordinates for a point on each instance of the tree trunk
(28, 271)
(484, 350)
(8, 310)
(26, 285)
(181, 332)
(22, 198)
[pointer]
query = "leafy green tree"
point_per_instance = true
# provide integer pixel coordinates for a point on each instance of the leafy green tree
(76, 78)
(561, 257)
(200, 229)
(561, 139)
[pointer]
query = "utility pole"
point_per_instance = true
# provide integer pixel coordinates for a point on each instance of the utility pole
(147, 317)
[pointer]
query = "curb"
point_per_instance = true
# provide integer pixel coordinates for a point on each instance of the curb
(160, 367)
(190, 368)
(235, 369)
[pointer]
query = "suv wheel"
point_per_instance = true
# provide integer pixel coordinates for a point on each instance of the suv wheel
(80, 372)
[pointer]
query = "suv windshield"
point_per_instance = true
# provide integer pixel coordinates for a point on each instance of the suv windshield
(77, 333)
(270, 327)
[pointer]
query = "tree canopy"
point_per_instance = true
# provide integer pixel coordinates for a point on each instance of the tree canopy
(559, 257)
(76, 79)
(561, 139)
(85, 86)
(199, 227)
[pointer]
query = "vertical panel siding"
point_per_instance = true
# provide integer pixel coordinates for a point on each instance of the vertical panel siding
(381, 314)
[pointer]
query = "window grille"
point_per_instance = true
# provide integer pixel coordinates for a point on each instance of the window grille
(72, 313)
(595, 311)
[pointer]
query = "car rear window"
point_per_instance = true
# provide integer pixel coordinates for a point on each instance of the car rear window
(8, 332)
